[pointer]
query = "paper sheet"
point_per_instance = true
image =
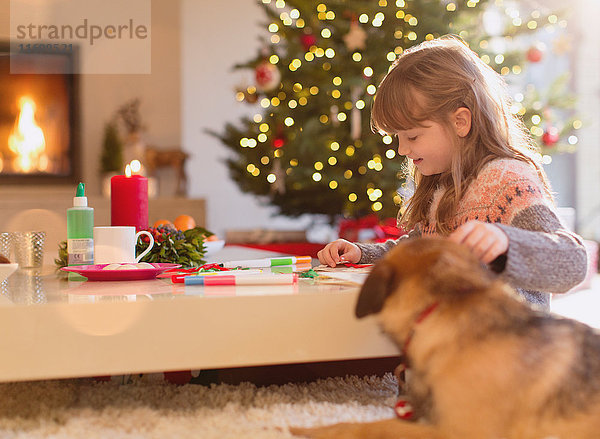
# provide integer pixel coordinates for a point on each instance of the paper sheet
(346, 274)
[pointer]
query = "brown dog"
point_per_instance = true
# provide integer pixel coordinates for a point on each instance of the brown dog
(484, 365)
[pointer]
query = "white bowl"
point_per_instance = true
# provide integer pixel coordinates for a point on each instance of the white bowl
(6, 270)
(213, 247)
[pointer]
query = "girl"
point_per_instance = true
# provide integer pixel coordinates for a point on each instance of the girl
(475, 170)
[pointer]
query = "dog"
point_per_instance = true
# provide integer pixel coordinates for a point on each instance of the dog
(484, 364)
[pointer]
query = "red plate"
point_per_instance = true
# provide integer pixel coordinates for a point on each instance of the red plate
(96, 272)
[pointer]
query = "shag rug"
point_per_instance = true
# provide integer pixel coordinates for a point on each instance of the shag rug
(86, 409)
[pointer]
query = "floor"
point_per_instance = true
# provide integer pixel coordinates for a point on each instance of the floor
(582, 305)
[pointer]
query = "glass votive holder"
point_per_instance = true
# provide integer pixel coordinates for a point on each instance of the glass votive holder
(29, 248)
(5, 244)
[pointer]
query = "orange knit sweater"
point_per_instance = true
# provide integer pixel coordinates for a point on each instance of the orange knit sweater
(543, 256)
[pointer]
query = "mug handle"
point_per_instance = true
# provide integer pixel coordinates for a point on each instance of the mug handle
(145, 252)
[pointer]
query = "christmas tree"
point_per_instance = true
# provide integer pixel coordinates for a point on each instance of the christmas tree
(111, 159)
(310, 149)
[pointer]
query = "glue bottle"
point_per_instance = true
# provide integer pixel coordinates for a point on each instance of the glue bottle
(80, 230)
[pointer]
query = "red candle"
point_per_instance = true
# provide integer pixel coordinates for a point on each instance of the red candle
(129, 201)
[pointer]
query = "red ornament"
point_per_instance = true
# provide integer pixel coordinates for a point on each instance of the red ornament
(267, 76)
(534, 54)
(307, 41)
(550, 136)
(278, 142)
(403, 409)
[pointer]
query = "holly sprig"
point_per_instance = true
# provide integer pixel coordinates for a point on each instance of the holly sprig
(63, 255)
(174, 246)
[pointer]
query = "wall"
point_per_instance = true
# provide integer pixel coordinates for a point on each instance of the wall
(587, 83)
(101, 95)
(159, 92)
(213, 39)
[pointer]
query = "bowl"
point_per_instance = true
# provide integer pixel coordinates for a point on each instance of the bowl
(6, 270)
(213, 247)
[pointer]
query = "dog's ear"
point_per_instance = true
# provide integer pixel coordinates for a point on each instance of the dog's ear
(375, 290)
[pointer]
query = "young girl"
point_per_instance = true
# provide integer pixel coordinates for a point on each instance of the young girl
(477, 179)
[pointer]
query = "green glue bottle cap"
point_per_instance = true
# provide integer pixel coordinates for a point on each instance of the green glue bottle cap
(80, 200)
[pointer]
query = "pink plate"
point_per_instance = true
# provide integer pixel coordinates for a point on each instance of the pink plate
(96, 272)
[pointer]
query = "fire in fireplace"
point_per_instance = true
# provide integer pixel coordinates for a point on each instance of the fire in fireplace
(38, 120)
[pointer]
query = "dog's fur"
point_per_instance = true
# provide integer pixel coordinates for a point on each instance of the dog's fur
(484, 365)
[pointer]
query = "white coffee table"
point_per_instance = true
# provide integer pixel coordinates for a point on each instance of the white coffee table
(52, 328)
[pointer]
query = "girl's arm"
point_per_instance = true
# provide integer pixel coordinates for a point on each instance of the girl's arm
(542, 255)
(371, 252)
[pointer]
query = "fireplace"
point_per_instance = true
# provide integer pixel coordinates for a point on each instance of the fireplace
(39, 136)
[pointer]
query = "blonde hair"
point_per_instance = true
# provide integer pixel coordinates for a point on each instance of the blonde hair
(429, 82)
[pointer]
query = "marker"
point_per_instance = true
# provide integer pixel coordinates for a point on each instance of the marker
(257, 279)
(178, 278)
(229, 272)
(269, 262)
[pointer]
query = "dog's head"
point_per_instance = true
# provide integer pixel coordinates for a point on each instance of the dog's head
(419, 272)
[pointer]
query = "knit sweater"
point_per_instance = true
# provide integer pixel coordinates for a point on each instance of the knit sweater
(543, 256)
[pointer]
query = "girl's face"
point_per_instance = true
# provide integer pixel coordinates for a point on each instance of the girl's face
(430, 147)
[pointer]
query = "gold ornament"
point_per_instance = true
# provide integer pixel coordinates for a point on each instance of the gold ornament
(356, 38)
(279, 183)
(355, 115)
(562, 45)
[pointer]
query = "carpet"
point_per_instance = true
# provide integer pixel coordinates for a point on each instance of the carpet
(84, 408)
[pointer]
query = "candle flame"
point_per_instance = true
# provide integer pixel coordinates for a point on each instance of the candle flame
(136, 166)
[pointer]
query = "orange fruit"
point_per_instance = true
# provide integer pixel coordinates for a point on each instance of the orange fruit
(184, 222)
(162, 222)
(212, 238)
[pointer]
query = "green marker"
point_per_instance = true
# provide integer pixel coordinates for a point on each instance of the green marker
(269, 262)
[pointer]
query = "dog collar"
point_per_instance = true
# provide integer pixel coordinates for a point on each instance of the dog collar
(422, 316)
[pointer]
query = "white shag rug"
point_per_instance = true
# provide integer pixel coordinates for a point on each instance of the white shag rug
(87, 409)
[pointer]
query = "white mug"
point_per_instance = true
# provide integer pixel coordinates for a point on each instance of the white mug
(116, 244)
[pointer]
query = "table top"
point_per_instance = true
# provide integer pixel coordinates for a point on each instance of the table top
(47, 285)
(53, 327)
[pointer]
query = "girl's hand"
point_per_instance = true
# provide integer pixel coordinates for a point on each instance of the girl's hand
(339, 252)
(486, 240)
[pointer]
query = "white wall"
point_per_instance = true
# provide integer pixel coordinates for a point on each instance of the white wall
(214, 37)
(587, 83)
(159, 92)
